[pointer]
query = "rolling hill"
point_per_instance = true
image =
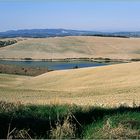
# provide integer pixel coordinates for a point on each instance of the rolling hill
(108, 85)
(73, 47)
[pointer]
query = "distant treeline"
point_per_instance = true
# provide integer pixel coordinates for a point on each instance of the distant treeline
(7, 42)
(103, 35)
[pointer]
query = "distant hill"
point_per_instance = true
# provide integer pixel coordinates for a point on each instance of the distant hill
(73, 47)
(41, 33)
(37, 33)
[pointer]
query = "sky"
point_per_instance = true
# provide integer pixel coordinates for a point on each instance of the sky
(95, 15)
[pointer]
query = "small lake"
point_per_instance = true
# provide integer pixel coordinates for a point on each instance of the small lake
(54, 65)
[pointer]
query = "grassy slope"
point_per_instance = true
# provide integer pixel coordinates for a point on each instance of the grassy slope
(71, 47)
(28, 71)
(109, 85)
(11, 81)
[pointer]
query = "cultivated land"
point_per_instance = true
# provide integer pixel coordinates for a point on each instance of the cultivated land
(108, 85)
(73, 47)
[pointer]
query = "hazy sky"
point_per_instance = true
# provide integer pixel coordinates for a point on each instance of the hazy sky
(98, 15)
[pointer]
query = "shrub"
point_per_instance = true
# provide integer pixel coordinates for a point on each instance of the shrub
(63, 130)
(27, 59)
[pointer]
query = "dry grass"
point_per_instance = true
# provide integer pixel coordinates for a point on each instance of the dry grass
(74, 47)
(107, 85)
(8, 107)
(119, 132)
(18, 134)
(63, 129)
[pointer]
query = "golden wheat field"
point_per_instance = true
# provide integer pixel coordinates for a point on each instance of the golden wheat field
(73, 47)
(107, 85)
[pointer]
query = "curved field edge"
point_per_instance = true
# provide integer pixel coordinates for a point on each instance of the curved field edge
(107, 86)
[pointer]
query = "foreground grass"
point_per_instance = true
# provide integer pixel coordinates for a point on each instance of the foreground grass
(119, 126)
(65, 121)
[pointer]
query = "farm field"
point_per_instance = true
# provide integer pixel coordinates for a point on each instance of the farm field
(107, 85)
(73, 47)
(70, 69)
(82, 103)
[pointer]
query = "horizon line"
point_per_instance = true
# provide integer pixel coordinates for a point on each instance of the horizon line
(110, 31)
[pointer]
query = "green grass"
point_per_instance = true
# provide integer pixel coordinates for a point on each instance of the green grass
(35, 118)
(115, 126)
(65, 121)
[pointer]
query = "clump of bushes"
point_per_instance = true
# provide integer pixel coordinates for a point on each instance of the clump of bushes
(7, 42)
(28, 59)
(135, 59)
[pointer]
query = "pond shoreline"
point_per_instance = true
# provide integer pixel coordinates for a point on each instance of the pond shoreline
(34, 67)
(22, 70)
(100, 59)
(37, 67)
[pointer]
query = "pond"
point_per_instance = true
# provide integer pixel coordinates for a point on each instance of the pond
(55, 65)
